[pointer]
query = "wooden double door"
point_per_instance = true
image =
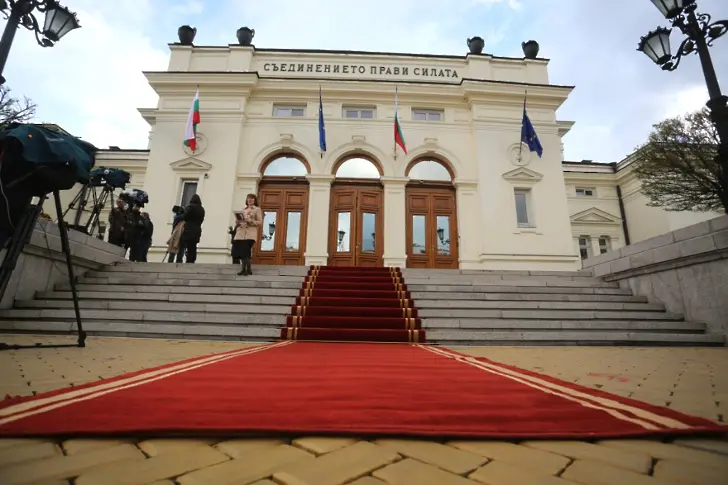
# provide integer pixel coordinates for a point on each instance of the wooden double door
(282, 237)
(432, 234)
(356, 225)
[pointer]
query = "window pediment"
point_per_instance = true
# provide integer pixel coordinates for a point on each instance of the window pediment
(523, 175)
(594, 216)
(190, 164)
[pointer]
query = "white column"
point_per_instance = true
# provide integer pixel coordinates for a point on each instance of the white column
(317, 228)
(469, 241)
(595, 246)
(395, 251)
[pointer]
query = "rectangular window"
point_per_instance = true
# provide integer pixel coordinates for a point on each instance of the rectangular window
(604, 244)
(523, 212)
(584, 247)
(288, 111)
(359, 113)
(188, 190)
(427, 115)
(585, 192)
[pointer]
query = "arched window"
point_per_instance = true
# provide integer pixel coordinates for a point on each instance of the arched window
(430, 170)
(359, 168)
(285, 166)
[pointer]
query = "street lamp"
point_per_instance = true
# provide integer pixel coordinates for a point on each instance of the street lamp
(700, 34)
(271, 231)
(58, 22)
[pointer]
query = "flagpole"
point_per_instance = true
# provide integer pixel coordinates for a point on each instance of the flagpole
(396, 107)
(321, 152)
(520, 138)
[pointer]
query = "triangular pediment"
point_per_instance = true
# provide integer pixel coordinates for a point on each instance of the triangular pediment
(190, 164)
(594, 216)
(522, 174)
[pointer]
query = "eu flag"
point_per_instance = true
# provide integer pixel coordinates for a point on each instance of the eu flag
(528, 133)
(322, 129)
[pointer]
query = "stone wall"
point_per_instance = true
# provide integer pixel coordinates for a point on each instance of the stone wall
(686, 270)
(42, 263)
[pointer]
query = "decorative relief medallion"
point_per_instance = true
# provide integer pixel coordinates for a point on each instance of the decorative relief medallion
(519, 155)
(201, 145)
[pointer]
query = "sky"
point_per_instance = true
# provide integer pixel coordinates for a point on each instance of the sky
(91, 82)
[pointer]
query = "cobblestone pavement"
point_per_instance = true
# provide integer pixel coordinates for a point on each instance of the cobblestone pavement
(689, 380)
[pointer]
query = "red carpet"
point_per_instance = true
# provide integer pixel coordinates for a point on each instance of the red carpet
(354, 304)
(345, 389)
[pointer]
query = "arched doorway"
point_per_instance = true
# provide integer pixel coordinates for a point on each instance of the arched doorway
(432, 230)
(356, 221)
(283, 197)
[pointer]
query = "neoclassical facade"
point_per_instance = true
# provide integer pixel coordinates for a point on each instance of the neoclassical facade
(465, 195)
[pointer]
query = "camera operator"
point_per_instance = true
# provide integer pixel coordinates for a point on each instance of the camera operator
(193, 217)
(135, 234)
(117, 224)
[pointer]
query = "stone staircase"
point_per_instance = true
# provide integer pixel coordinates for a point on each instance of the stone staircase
(204, 301)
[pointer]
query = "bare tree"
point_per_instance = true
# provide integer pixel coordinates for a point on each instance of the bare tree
(14, 110)
(679, 167)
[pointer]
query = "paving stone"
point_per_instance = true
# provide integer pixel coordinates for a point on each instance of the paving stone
(445, 457)
(502, 473)
(364, 481)
(256, 465)
(684, 473)
(60, 467)
(413, 472)
(591, 472)
(713, 446)
(338, 467)
(27, 452)
(167, 446)
(541, 461)
(13, 442)
(638, 462)
(240, 448)
(664, 451)
(76, 446)
(321, 445)
(167, 465)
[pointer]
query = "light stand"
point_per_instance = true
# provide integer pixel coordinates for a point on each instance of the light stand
(700, 34)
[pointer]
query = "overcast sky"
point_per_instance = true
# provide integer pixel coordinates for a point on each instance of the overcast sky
(91, 82)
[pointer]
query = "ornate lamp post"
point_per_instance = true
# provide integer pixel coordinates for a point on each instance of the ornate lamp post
(58, 22)
(271, 231)
(700, 34)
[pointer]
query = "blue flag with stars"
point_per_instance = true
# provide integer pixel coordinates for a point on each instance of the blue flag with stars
(322, 129)
(528, 133)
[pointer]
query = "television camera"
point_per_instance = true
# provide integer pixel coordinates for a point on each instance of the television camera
(134, 198)
(108, 179)
(34, 162)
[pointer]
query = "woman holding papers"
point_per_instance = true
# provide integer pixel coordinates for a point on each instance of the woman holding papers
(246, 234)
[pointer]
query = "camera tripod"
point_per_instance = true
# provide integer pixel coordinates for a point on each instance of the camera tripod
(21, 236)
(93, 222)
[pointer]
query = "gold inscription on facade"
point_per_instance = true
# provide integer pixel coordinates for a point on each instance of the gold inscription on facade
(359, 69)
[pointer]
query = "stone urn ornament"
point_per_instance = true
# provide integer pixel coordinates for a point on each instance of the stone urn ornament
(530, 49)
(476, 45)
(186, 34)
(245, 36)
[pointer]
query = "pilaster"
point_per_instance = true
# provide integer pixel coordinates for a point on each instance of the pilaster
(395, 251)
(466, 195)
(317, 230)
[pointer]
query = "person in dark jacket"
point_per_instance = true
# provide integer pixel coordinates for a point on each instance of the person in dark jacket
(134, 233)
(193, 216)
(117, 224)
(146, 236)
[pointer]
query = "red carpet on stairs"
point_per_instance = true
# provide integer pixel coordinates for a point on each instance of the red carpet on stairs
(354, 304)
(354, 389)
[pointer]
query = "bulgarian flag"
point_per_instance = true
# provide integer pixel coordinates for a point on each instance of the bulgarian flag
(193, 119)
(398, 136)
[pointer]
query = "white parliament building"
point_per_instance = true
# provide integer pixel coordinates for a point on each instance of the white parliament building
(461, 197)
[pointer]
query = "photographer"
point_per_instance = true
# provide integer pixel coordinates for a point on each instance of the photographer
(193, 217)
(117, 224)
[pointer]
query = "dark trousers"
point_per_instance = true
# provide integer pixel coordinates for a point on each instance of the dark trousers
(247, 249)
(188, 249)
(171, 257)
(145, 251)
(181, 252)
(117, 240)
(137, 252)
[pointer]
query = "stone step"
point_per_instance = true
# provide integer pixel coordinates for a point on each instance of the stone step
(196, 268)
(166, 330)
(475, 272)
(141, 316)
(419, 296)
(451, 279)
(202, 276)
(138, 290)
(479, 326)
(446, 305)
(242, 282)
(569, 337)
(261, 298)
(453, 314)
(584, 290)
(464, 281)
(159, 306)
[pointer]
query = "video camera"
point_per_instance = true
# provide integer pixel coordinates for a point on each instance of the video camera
(134, 197)
(115, 178)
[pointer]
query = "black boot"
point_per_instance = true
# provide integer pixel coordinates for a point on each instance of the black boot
(243, 271)
(249, 264)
